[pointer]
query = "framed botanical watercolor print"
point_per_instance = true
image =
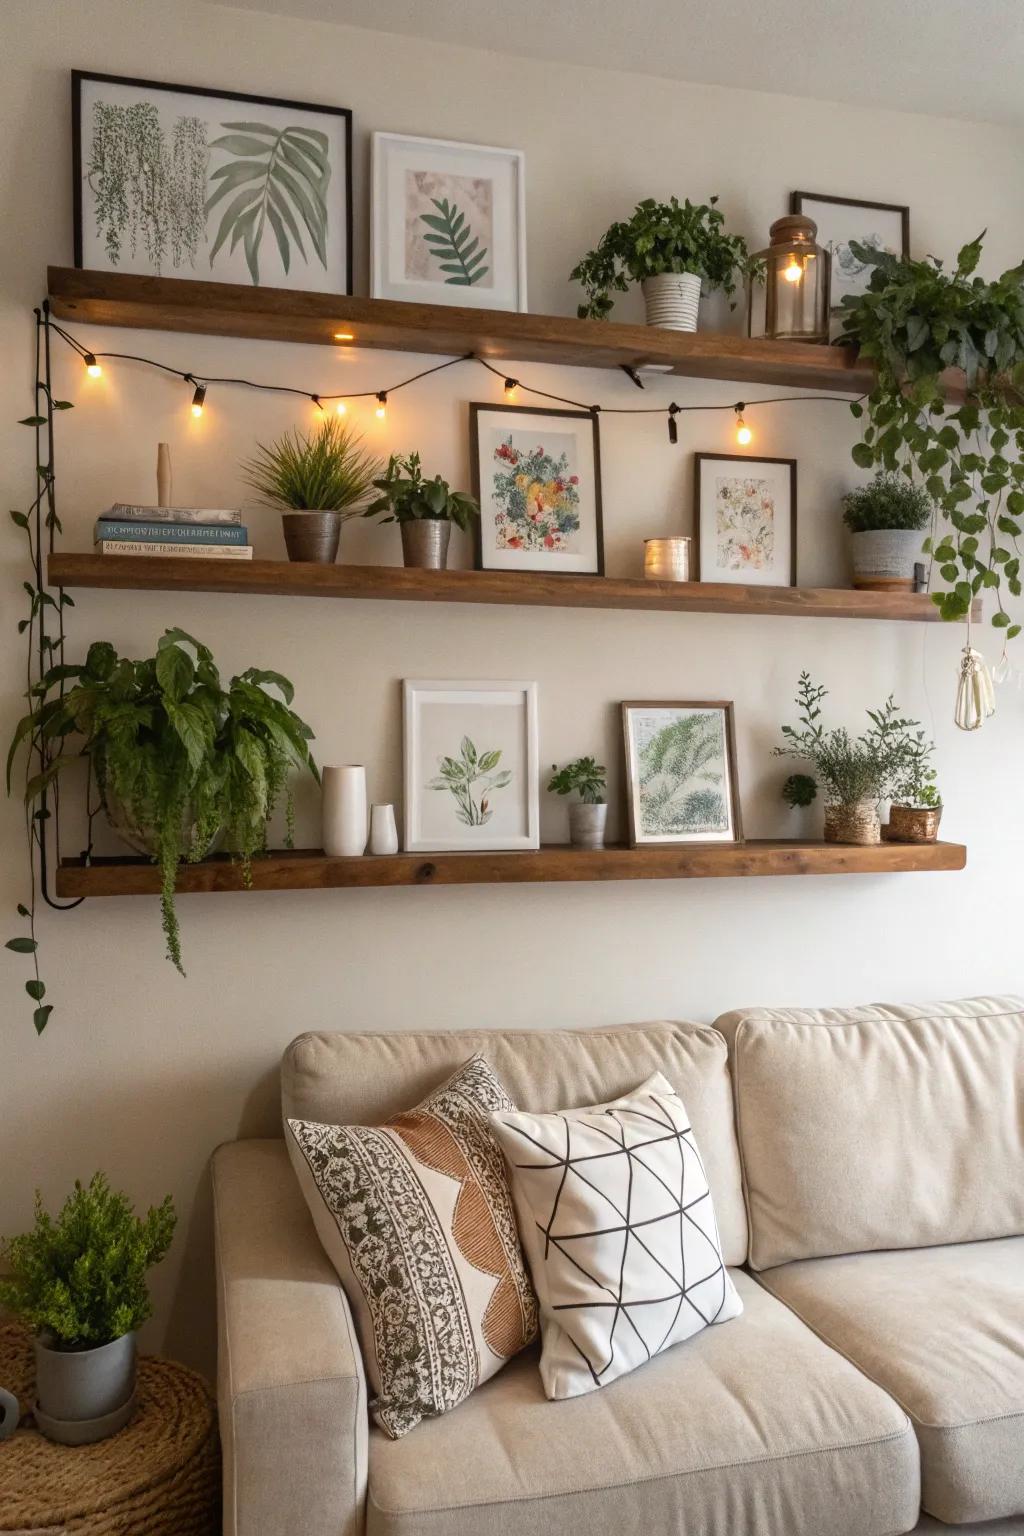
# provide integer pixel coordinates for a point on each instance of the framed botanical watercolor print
(886, 226)
(449, 223)
(681, 773)
(471, 770)
(537, 478)
(180, 181)
(745, 519)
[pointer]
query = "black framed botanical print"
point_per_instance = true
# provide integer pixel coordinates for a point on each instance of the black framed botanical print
(182, 181)
(744, 519)
(537, 478)
(885, 226)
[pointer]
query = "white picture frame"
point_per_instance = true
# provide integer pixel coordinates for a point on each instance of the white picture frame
(471, 766)
(429, 193)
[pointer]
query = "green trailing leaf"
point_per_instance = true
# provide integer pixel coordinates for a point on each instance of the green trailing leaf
(279, 179)
(452, 243)
(22, 946)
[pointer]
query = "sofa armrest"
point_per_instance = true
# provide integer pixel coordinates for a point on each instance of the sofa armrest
(290, 1383)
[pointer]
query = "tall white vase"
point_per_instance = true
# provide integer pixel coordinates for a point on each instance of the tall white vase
(344, 810)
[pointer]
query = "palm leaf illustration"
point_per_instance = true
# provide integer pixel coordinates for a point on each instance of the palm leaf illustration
(450, 237)
(275, 177)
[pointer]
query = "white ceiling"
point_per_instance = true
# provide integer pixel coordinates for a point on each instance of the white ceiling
(953, 58)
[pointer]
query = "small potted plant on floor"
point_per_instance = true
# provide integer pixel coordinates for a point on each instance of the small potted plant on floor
(318, 480)
(673, 250)
(585, 777)
(79, 1281)
(423, 509)
(886, 520)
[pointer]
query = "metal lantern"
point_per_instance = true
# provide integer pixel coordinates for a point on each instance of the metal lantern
(792, 303)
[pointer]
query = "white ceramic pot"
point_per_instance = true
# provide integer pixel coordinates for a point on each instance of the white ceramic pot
(586, 825)
(672, 300)
(84, 1395)
(344, 810)
(884, 558)
(383, 831)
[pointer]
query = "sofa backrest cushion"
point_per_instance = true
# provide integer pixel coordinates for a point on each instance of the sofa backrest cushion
(890, 1126)
(362, 1079)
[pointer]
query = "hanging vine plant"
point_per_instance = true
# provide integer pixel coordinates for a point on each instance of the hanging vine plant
(915, 321)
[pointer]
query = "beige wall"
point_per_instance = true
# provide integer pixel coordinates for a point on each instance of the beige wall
(143, 1073)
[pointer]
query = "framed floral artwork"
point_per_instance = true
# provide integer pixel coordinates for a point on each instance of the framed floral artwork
(886, 226)
(745, 519)
(448, 224)
(471, 769)
(181, 181)
(681, 773)
(537, 479)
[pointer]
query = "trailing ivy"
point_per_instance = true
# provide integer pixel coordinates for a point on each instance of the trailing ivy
(915, 321)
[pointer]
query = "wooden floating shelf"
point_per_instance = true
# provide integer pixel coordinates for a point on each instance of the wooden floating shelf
(313, 870)
(275, 314)
(396, 583)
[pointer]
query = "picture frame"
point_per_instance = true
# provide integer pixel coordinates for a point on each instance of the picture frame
(208, 224)
(466, 745)
(842, 219)
(682, 783)
(557, 453)
(745, 519)
(448, 222)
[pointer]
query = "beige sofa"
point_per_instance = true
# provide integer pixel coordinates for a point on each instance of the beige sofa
(867, 1168)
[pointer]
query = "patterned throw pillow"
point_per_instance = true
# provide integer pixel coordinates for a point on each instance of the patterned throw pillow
(617, 1222)
(416, 1217)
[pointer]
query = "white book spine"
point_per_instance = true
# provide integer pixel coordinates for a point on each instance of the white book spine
(124, 511)
(185, 551)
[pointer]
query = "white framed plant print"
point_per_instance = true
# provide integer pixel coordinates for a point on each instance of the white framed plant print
(885, 226)
(448, 223)
(537, 481)
(745, 519)
(182, 181)
(681, 778)
(471, 769)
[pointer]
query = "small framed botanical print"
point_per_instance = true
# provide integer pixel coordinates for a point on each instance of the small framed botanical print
(681, 773)
(471, 771)
(449, 223)
(745, 519)
(886, 226)
(182, 181)
(537, 479)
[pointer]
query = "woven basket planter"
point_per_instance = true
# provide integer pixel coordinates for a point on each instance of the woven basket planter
(857, 823)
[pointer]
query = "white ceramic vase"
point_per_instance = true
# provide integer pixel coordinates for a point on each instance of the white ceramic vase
(383, 830)
(672, 300)
(344, 810)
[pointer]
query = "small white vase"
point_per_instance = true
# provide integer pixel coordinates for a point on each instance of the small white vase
(672, 300)
(383, 831)
(344, 811)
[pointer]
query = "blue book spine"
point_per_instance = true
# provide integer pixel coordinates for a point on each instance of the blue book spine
(171, 533)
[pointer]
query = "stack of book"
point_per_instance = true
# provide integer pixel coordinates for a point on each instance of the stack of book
(203, 533)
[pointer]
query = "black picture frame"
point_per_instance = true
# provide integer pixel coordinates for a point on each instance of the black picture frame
(478, 409)
(796, 205)
(80, 75)
(750, 461)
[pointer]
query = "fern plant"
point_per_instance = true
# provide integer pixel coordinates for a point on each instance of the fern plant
(278, 177)
(452, 242)
(322, 471)
(80, 1279)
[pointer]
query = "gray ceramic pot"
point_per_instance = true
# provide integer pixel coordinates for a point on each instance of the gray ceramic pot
(884, 558)
(84, 1395)
(312, 537)
(425, 542)
(586, 825)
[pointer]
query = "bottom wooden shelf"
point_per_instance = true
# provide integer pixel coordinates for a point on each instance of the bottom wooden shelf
(310, 869)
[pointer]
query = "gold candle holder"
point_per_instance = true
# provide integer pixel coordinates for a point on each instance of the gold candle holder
(667, 559)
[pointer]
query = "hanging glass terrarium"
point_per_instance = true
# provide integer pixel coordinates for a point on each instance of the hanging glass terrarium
(792, 303)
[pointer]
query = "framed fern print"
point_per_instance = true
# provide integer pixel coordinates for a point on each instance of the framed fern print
(181, 181)
(681, 773)
(448, 223)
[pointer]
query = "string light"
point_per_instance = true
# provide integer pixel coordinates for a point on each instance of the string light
(342, 408)
(382, 405)
(743, 432)
(199, 400)
(343, 336)
(92, 367)
(511, 385)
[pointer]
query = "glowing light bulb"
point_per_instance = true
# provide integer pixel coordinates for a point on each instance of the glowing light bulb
(343, 336)
(743, 432)
(382, 405)
(511, 385)
(92, 367)
(793, 272)
(342, 408)
(199, 400)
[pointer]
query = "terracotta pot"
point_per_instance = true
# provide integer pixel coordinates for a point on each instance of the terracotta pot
(913, 823)
(856, 823)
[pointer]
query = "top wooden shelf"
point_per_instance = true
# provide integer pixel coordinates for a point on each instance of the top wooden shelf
(274, 314)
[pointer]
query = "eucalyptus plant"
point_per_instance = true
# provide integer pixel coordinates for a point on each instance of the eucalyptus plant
(876, 765)
(405, 496)
(323, 471)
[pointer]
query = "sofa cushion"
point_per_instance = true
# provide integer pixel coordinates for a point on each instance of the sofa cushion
(881, 1127)
(364, 1078)
(756, 1427)
(942, 1330)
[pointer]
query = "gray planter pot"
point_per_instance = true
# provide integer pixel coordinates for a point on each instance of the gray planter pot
(884, 558)
(84, 1395)
(586, 825)
(425, 543)
(312, 537)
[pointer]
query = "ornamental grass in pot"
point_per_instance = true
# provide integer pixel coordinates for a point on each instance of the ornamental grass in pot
(318, 480)
(423, 509)
(79, 1281)
(587, 818)
(886, 520)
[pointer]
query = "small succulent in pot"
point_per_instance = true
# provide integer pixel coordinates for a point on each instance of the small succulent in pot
(886, 519)
(423, 509)
(587, 778)
(317, 480)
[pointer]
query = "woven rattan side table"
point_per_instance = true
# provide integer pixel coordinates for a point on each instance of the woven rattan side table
(159, 1477)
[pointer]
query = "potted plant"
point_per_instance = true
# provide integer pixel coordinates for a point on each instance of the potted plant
(319, 480)
(673, 250)
(179, 761)
(79, 1281)
(856, 772)
(423, 509)
(916, 808)
(587, 817)
(886, 519)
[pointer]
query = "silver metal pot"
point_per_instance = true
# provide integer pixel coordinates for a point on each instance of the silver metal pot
(312, 537)
(425, 542)
(84, 1395)
(586, 825)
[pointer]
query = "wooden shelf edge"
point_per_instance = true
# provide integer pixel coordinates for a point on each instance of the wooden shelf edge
(282, 578)
(312, 870)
